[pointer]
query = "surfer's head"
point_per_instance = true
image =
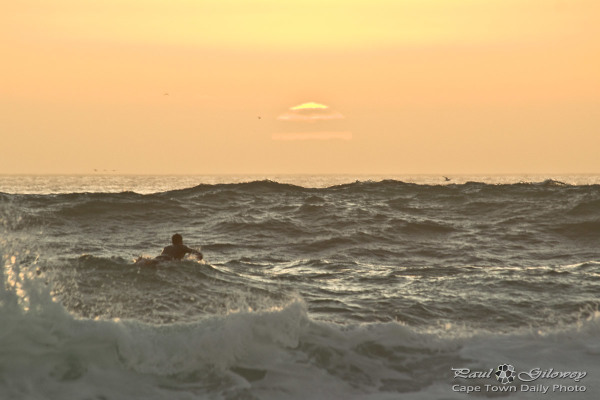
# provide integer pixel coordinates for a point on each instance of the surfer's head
(177, 239)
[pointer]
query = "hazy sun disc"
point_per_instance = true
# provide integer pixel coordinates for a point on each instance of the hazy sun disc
(310, 112)
(309, 105)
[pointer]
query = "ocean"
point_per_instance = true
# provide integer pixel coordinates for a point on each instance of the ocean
(311, 287)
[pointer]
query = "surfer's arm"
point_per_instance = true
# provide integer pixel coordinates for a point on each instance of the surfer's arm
(195, 252)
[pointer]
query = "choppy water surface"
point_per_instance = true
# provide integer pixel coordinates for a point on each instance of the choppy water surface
(366, 289)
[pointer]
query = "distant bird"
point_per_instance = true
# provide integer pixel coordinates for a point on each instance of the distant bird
(446, 178)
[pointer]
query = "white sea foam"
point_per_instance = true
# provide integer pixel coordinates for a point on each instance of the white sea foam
(278, 353)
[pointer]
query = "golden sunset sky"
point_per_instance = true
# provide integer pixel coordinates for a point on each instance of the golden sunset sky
(300, 86)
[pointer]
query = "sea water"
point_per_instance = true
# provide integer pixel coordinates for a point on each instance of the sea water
(312, 287)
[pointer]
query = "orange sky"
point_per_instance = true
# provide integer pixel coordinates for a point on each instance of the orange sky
(417, 86)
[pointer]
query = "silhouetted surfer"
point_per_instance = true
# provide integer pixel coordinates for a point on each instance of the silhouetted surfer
(175, 251)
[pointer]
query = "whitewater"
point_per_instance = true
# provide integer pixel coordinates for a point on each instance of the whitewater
(312, 287)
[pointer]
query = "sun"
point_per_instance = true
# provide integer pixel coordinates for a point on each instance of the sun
(310, 112)
(311, 121)
(309, 105)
